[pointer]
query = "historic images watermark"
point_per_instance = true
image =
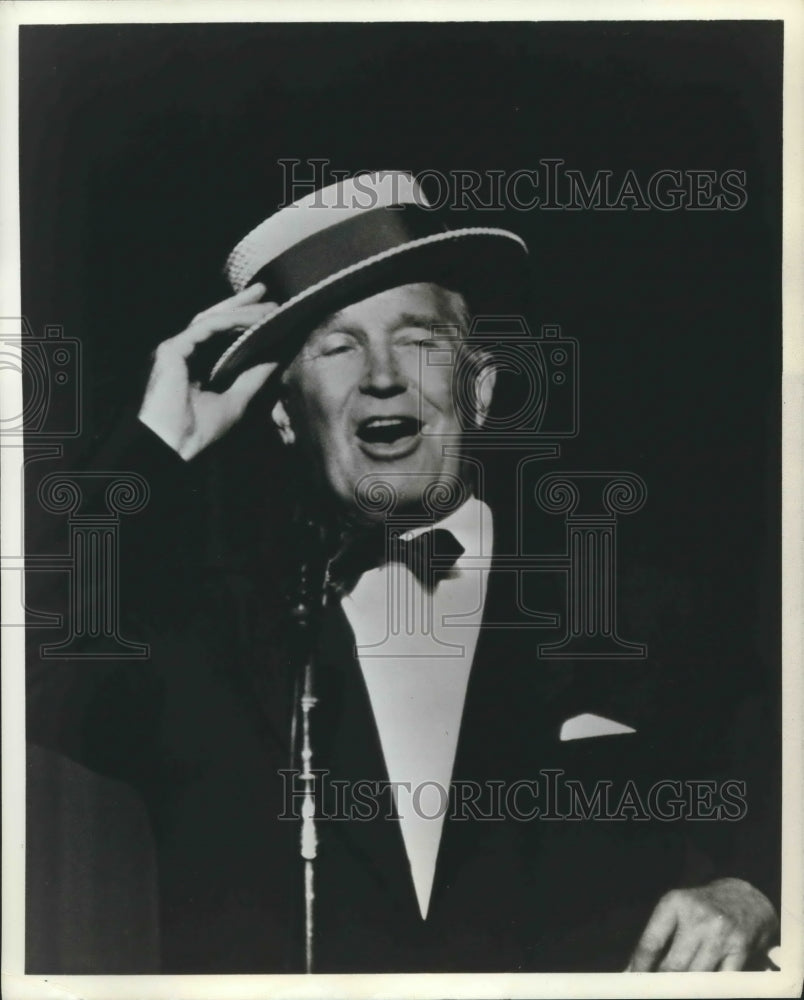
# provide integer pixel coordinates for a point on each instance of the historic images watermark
(550, 795)
(531, 425)
(549, 185)
(49, 365)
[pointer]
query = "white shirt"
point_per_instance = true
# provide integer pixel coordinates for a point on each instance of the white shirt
(415, 650)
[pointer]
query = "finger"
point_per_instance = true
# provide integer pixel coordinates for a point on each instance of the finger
(682, 952)
(246, 296)
(734, 962)
(658, 932)
(708, 957)
(220, 322)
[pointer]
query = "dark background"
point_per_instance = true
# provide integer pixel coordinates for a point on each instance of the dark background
(147, 151)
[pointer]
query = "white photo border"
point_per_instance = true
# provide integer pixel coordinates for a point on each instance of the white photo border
(790, 955)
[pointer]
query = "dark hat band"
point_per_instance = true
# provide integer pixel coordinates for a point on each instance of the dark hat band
(345, 244)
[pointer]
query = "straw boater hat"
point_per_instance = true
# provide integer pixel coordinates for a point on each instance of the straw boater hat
(352, 239)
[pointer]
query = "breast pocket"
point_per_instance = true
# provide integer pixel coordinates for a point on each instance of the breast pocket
(611, 761)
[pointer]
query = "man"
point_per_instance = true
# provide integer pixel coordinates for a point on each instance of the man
(359, 779)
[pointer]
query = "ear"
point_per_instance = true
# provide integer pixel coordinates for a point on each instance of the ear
(484, 381)
(280, 417)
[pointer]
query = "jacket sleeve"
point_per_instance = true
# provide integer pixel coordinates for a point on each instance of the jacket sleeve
(94, 698)
(724, 745)
(745, 842)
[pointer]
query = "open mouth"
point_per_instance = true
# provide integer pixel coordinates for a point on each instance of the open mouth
(388, 436)
(387, 430)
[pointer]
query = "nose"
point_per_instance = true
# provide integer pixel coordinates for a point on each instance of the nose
(382, 376)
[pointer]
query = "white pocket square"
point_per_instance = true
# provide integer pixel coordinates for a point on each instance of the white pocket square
(581, 727)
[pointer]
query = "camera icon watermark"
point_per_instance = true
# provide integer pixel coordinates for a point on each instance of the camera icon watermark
(540, 399)
(49, 367)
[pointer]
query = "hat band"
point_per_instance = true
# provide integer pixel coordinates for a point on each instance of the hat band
(340, 246)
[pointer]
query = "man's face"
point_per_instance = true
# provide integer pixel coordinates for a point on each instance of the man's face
(362, 401)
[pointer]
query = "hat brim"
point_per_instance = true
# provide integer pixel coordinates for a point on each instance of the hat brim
(488, 266)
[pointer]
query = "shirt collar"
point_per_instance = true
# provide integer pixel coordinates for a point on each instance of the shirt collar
(471, 524)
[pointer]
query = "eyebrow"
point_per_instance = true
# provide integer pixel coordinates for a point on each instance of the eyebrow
(423, 321)
(419, 320)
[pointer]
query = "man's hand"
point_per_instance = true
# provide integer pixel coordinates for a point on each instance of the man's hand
(185, 416)
(719, 926)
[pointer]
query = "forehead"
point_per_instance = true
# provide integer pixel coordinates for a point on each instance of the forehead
(415, 304)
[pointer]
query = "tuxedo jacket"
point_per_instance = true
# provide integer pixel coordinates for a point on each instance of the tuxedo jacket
(200, 731)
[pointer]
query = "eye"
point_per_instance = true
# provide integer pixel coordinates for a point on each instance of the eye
(335, 343)
(414, 338)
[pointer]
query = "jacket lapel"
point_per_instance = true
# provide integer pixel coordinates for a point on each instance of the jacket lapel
(514, 702)
(350, 750)
(513, 697)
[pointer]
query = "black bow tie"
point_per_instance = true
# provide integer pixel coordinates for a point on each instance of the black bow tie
(430, 556)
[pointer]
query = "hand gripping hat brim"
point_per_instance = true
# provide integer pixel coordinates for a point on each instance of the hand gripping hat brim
(349, 241)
